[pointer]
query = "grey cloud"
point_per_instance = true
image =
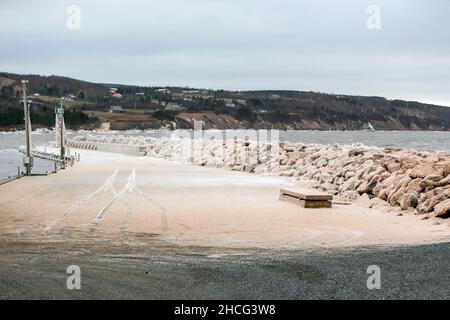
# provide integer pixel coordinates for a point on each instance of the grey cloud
(306, 45)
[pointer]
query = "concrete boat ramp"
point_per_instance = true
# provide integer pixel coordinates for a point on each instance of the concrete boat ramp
(115, 194)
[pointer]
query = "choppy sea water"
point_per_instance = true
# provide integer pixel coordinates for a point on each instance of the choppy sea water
(10, 158)
(420, 140)
(11, 161)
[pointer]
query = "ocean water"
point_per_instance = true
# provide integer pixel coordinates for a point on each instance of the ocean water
(11, 161)
(10, 158)
(420, 140)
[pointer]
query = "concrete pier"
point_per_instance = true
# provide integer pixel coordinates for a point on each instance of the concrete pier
(109, 147)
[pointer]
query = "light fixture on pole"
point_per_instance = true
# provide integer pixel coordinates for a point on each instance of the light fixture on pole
(28, 159)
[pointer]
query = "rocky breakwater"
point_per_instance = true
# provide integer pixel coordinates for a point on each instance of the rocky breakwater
(417, 182)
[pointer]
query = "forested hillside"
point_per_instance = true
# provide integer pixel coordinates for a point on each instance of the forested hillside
(153, 107)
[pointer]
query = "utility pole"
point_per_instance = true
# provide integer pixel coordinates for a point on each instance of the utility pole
(27, 160)
(60, 129)
(63, 151)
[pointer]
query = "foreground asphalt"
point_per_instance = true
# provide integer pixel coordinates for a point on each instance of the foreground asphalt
(154, 270)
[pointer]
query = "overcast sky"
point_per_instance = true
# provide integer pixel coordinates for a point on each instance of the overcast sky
(320, 45)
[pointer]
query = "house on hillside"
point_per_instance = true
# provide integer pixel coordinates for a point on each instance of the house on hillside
(173, 106)
(164, 91)
(177, 96)
(231, 105)
(115, 109)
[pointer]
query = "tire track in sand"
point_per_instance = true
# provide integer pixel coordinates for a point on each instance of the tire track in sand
(164, 221)
(129, 186)
(108, 185)
(103, 188)
(133, 188)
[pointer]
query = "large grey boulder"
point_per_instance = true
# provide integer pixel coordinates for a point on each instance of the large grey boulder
(409, 200)
(442, 210)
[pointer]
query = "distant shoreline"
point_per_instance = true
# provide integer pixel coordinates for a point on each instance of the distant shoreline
(96, 105)
(19, 129)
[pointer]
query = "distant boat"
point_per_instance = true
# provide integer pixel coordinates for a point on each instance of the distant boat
(368, 127)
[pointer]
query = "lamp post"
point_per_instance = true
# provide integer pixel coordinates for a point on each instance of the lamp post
(60, 129)
(28, 160)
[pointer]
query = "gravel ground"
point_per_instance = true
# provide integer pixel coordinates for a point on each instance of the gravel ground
(155, 270)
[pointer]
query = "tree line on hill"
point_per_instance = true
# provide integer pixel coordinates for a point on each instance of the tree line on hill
(44, 117)
(286, 108)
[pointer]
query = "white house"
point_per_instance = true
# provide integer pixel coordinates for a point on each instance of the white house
(231, 105)
(115, 109)
(173, 106)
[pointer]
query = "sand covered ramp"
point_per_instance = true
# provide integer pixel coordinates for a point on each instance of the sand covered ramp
(119, 196)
